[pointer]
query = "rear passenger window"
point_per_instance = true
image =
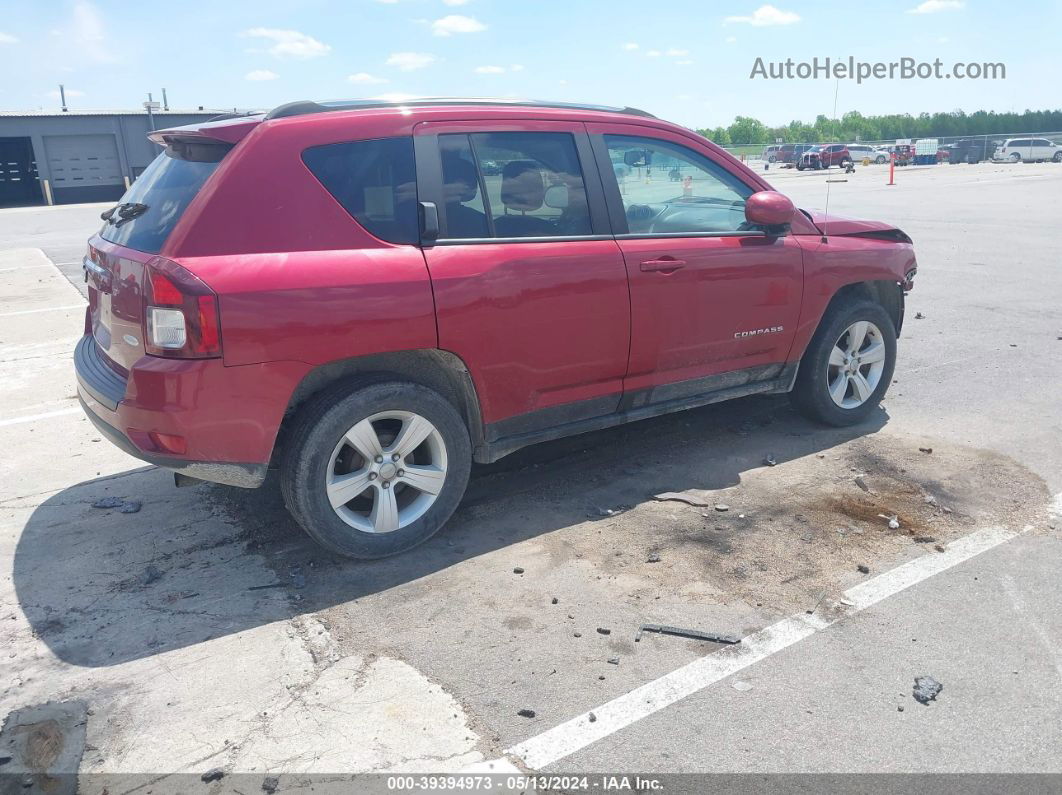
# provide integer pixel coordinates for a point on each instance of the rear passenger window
(512, 185)
(375, 181)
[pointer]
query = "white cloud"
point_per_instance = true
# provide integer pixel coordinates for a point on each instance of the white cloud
(630, 46)
(410, 61)
(455, 23)
(87, 34)
(684, 62)
(653, 53)
(677, 53)
(259, 75)
(933, 6)
(387, 2)
(490, 70)
(289, 43)
(70, 93)
(943, 40)
(731, 39)
(455, 2)
(516, 67)
(365, 79)
(7, 38)
(769, 15)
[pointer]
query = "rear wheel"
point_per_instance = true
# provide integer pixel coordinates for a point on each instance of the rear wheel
(373, 469)
(881, 160)
(1015, 157)
(1058, 157)
(848, 365)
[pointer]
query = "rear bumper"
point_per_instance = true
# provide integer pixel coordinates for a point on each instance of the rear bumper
(228, 417)
(248, 476)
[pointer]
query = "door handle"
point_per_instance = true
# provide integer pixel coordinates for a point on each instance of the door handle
(663, 264)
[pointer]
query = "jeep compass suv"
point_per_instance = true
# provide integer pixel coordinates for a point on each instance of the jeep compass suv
(370, 296)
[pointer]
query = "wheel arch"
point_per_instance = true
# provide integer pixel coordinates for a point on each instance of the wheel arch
(887, 293)
(438, 370)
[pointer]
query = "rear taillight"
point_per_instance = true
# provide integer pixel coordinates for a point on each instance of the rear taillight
(180, 313)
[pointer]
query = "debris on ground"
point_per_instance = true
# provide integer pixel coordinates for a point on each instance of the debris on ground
(592, 717)
(892, 519)
(722, 507)
(613, 661)
(554, 600)
(924, 539)
(687, 497)
(108, 502)
(270, 784)
(900, 708)
(939, 547)
(151, 574)
(926, 689)
(578, 634)
(214, 774)
(526, 713)
(741, 685)
(603, 631)
(770, 460)
(926, 450)
(919, 316)
(693, 634)
(847, 602)
(654, 558)
(930, 499)
(518, 570)
(863, 569)
(130, 506)
(862, 483)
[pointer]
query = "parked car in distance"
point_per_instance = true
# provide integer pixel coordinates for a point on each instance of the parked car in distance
(970, 150)
(825, 156)
(861, 152)
(789, 154)
(770, 154)
(1032, 150)
(386, 312)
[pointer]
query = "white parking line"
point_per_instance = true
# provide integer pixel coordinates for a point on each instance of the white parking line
(45, 309)
(23, 268)
(579, 732)
(35, 417)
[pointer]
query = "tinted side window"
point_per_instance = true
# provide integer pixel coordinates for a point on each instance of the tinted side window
(375, 181)
(515, 184)
(667, 188)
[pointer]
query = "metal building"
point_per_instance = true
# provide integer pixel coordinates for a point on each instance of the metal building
(55, 157)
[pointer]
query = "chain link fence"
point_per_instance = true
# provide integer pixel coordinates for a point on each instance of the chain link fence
(1023, 147)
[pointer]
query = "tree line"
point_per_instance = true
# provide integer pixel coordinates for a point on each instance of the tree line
(854, 126)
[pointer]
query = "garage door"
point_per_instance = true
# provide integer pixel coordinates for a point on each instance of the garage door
(18, 173)
(84, 168)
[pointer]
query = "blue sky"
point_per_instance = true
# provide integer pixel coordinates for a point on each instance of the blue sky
(684, 60)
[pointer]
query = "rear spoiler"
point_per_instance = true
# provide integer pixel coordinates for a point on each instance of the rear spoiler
(221, 131)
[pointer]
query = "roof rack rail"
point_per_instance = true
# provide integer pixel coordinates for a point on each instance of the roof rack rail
(304, 107)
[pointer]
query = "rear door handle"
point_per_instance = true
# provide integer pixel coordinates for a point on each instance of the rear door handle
(663, 264)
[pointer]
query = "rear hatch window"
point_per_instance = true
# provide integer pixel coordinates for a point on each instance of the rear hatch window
(150, 209)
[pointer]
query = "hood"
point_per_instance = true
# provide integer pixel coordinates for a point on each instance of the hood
(854, 227)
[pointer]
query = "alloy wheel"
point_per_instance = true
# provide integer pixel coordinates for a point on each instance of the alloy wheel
(857, 360)
(386, 471)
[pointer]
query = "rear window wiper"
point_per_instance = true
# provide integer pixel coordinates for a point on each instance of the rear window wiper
(126, 211)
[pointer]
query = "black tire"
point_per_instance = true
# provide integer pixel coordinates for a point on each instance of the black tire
(800, 167)
(317, 430)
(810, 393)
(1057, 158)
(881, 160)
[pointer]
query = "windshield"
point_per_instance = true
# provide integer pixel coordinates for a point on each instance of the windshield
(150, 209)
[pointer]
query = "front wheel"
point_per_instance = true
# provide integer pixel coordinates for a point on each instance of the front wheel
(881, 160)
(372, 469)
(1058, 157)
(848, 364)
(1015, 157)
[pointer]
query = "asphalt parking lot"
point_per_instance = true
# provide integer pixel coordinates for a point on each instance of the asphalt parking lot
(204, 630)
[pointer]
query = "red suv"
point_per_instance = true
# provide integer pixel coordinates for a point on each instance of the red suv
(825, 156)
(371, 296)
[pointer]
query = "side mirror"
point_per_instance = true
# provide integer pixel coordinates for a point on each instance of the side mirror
(556, 197)
(769, 208)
